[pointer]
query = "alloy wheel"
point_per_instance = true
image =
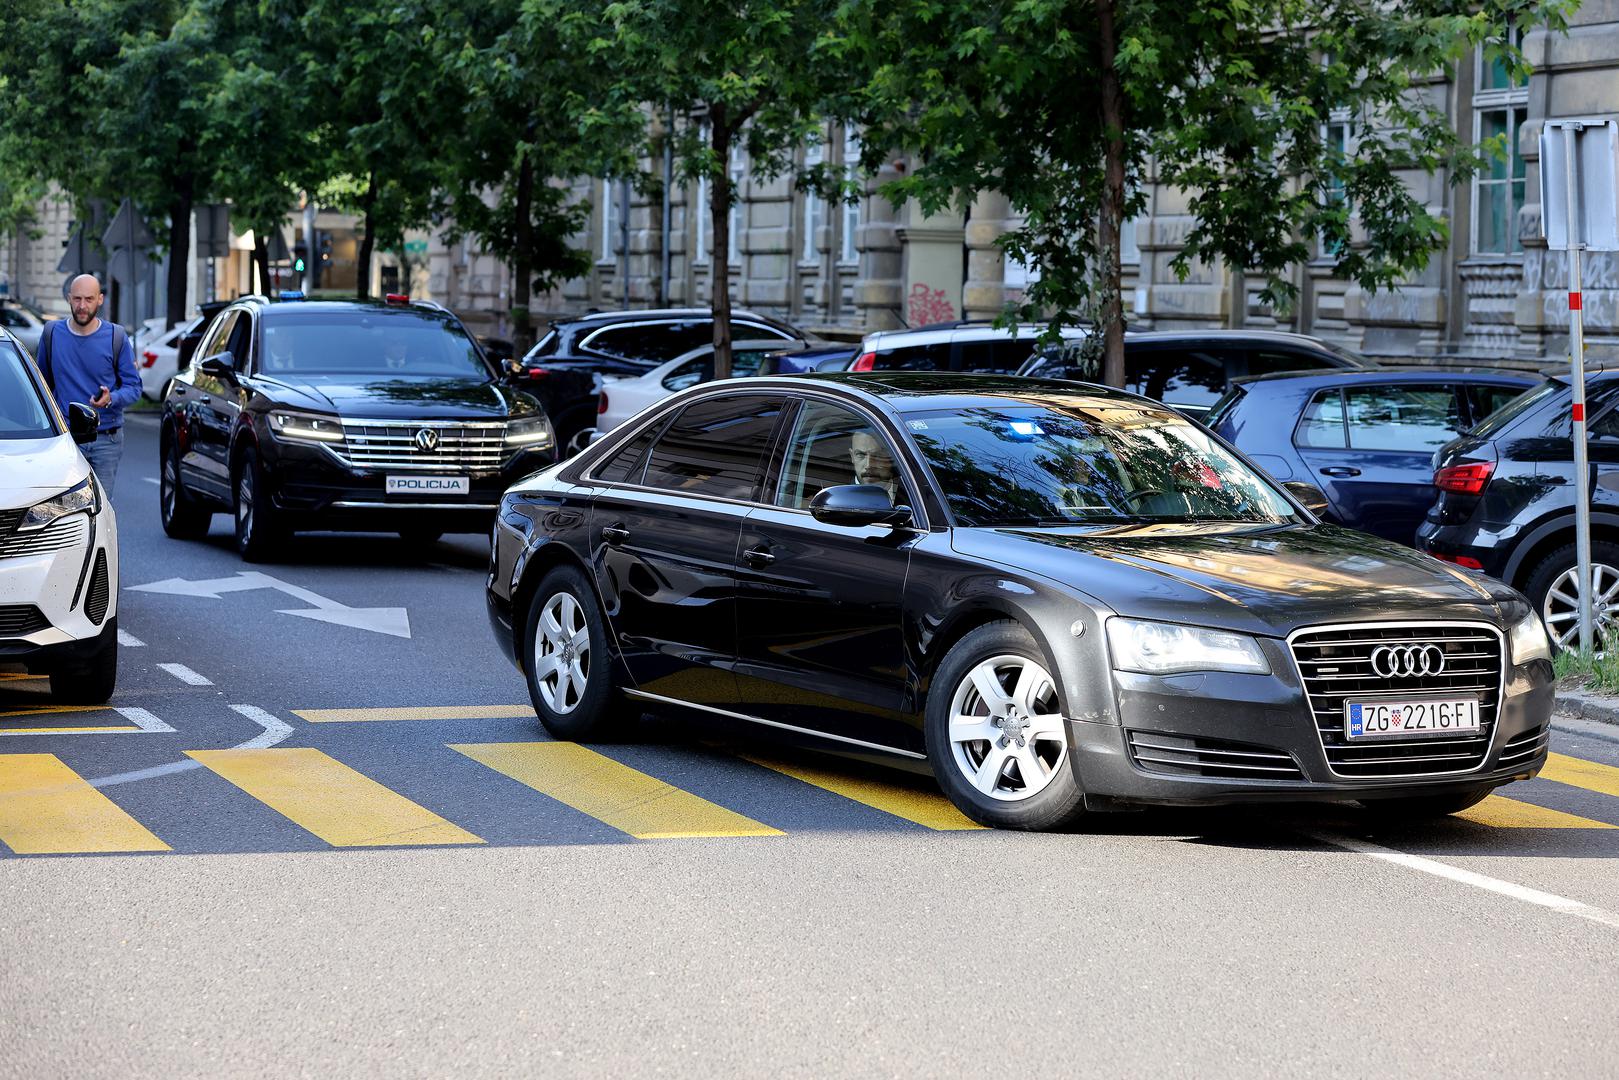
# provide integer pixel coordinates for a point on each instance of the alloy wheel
(1006, 729)
(167, 491)
(1560, 611)
(244, 503)
(562, 653)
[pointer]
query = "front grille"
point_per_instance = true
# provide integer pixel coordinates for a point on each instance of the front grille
(1194, 755)
(1524, 748)
(19, 620)
(1336, 666)
(391, 444)
(65, 533)
(95, 605)
(10, 519)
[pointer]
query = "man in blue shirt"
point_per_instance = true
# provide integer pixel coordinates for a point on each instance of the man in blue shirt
(78, 362)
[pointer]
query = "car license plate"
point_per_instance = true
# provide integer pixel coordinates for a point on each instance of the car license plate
(429, 485)
(1410, 719)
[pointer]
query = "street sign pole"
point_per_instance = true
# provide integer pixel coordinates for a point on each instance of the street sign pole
(134, 290)
(1576, 349)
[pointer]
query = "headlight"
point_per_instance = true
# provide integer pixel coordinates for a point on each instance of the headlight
(1157, 648)
(529, 434)
(305, 427)
(1529, 640)
(83, 497)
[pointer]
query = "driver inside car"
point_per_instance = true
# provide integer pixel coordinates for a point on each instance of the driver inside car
(873, 465)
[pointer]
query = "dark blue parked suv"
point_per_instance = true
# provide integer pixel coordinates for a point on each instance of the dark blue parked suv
(1506, 504)
(1365, 438)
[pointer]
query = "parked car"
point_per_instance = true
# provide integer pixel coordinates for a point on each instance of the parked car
(623, 397)
(796, 360)
(1506, 501)
(58, 540)
(347, 415)
(1054, 598)
(23, 321)
(559, 370)
(967, 345)
(159, 360)
(1365, 438)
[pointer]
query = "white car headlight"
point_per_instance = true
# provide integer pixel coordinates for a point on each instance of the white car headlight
(529, 433)
(1529, 640)
(306, 427)
(82, 498)
(1157, 648)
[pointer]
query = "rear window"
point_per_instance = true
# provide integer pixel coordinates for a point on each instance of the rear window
(370, 343)
(1228, 401)
(1519, 405)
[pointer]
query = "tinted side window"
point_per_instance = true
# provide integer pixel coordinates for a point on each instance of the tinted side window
(241, 341)
(1605, 428)
(832, 446)
(1323, 422)
(1406, 417)
(652, 342)
(219, 336)
(715, 447)
(1484, 400)
(997, 356)
(627, 464)
(743, 331)
(1193, 377)
(1265, 361)
(933, 357)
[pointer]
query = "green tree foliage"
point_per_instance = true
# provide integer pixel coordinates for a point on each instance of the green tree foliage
(1063, 104)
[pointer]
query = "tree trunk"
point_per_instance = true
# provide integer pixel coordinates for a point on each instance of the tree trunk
(523, 257)
(720, 265)
(368, 241)
(261, 259)
(1112, 95)
(179, 250)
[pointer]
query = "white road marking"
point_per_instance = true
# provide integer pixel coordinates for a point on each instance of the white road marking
(186, 675)
(150, 479)
(129, 641)
(393, 621)
(143, 719)
(1478, 881)
(274, 731)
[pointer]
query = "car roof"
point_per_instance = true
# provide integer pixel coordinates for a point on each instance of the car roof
(750, 344)
(1409, 373)
(986, 331)
(915, 391)
(653, 314)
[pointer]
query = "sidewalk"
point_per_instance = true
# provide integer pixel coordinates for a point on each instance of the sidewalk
(1601, 708)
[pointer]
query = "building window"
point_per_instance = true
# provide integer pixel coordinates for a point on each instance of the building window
(739, 171)
(814, 205)
(849, 252)
(1500, 108)
(1335, 135)
(609, 238)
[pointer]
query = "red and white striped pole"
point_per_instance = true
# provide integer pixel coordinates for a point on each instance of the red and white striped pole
(1576, 349)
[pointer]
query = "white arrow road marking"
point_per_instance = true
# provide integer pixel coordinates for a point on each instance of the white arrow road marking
(274, 731)
(393, 621)
(143, 719)
(129, 641)
(186, 675)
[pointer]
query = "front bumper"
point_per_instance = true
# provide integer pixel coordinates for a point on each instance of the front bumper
(74, 589)
(1269, 716)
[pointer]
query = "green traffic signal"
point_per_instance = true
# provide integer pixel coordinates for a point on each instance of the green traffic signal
(298, 265)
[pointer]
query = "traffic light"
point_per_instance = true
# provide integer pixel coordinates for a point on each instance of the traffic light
(298, 252)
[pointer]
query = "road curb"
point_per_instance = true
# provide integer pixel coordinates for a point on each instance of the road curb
(1598, 707)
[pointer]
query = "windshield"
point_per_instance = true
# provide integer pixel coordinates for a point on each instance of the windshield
(400, 344)
(23, 411)
(1083, 460)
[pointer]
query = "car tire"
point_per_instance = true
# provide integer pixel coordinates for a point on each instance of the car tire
(183, 518)
(570, 673)
(92, 682)
(1562, 618)
(1001, 755)
(259, 533)
(1421, 807)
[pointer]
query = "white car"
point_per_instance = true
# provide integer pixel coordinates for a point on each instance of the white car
(23, 322)
(623, 397)
(159, 359)
(58, 541)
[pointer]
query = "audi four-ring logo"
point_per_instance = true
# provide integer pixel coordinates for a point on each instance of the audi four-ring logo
(427, 439)
(1403, 661)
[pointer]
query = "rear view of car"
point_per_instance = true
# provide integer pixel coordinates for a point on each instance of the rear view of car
(58, 542)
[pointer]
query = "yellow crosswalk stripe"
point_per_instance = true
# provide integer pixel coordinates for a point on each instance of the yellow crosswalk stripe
(611, 792)
(343, 807)
(1577, 772)
(445, 712)
(1501, 812)
(47, 808)
(929, 808)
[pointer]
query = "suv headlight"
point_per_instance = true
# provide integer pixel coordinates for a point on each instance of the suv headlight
(530, 433)
(306, 427)
(1157, 648)
(1529, 640)
(83, 497)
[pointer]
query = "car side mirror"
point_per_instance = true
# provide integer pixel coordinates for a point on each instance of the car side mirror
(221, 366)
(82, 422)
(856, 505)
(513, 369)
(1313, 498)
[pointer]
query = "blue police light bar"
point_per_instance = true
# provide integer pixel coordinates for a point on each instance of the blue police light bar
(292, 294)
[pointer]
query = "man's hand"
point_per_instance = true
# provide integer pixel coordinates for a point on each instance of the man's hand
(101, 400)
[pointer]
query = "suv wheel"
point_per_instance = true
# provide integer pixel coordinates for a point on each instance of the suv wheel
(1554, 590)
(258, 527)
(182, 517)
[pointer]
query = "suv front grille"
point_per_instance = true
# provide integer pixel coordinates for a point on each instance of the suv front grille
(1336, 666)
(478, 447)
(1525, 747)
(66, 533)
(19, 620)
(1188, 755)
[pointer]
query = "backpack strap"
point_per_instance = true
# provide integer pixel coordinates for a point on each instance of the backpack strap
(45, 338)
(119, 339)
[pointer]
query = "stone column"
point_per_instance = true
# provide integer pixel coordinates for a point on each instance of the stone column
(983, 295)
(879, 290)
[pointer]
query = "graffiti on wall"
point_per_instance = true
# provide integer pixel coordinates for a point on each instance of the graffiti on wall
(928, 305)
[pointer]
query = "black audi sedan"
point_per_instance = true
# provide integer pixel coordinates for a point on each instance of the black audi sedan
(1056, 598)
(342, 415)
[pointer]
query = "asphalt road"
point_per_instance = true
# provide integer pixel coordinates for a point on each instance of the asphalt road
(307, 845)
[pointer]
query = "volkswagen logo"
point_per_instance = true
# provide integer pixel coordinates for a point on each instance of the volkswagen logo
(427, 440)
(1404, 661)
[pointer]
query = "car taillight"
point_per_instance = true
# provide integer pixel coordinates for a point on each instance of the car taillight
(867, 362)
(149, 356)
(1464, 479)
(396, 298)
(601, 404)
(1466, 562)
(537, 373)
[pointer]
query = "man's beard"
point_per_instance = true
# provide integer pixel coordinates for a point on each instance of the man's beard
(83, 320)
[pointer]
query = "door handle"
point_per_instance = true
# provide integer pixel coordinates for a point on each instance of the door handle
(615, 534)
(1340, 470)
(758, 557)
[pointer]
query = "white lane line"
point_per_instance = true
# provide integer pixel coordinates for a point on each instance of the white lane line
(130, 641)
(274, 731)
(150, 479)
(186, 675)
(1478, 881)
(143, 719)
